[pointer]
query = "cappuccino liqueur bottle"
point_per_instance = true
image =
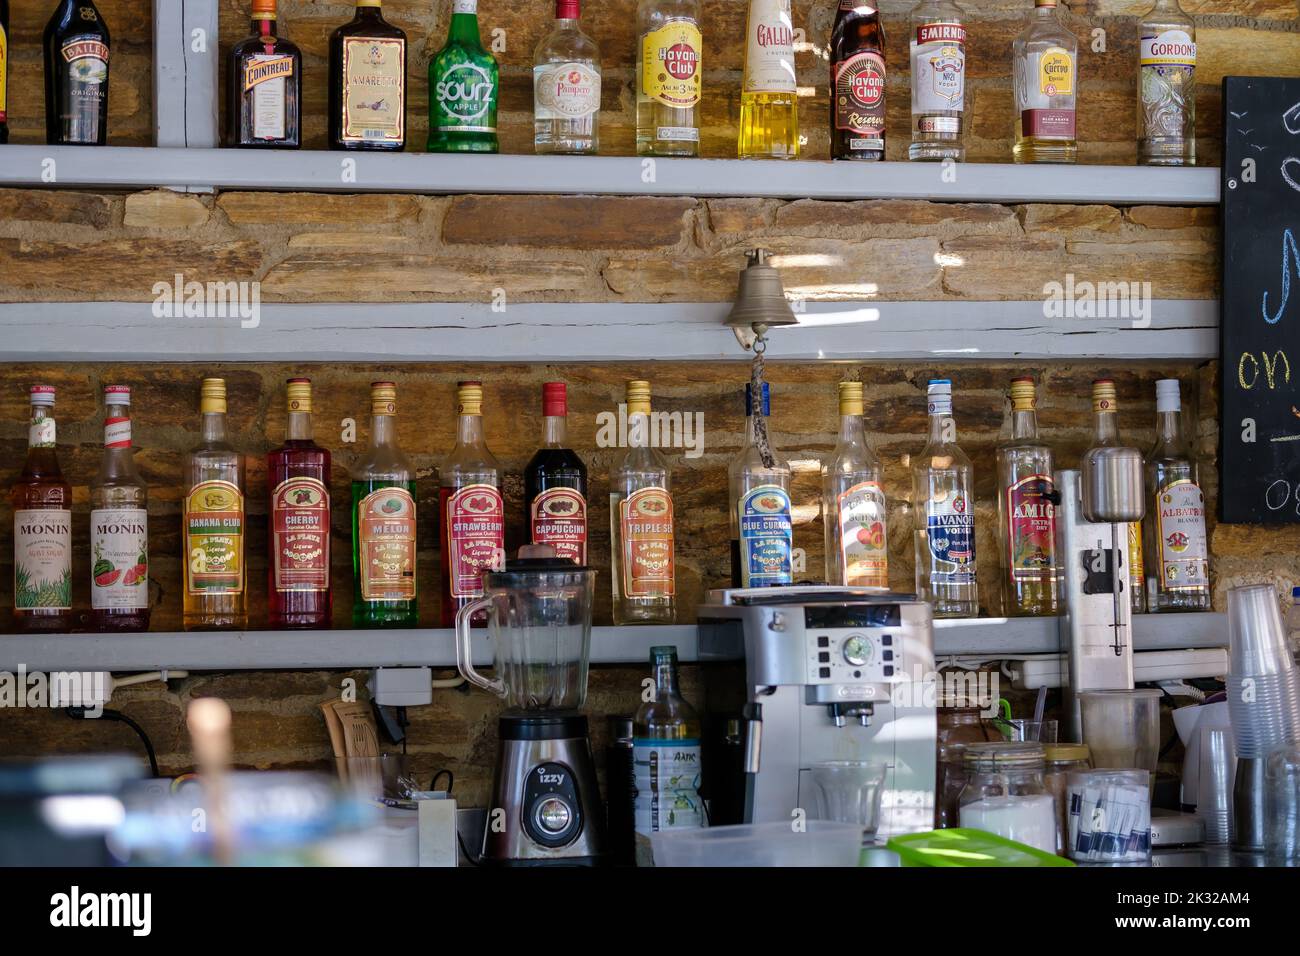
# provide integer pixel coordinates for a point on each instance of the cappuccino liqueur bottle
(119, 526)
(42, 502)
(555, 484)
(463, 87)
(76, 76)
(367, 99)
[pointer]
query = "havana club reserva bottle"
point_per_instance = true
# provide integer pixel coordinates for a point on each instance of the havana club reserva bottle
(119, 526)
(854, 507)
(555, 484)
(857, 58)
(383, 523)
(1045, 73)
(463, 88)
(367, 99)
(1105, 432)
(214, 524)
(1026, 512)
(669, 77)
(762, 533)
(566, 87)
(76, 76)
(298, 521)
(42, 504)
(769, 99)
(943, 496)
(938, 58)
(471, 510)
(264, 86)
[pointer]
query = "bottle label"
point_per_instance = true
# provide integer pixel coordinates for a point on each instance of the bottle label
(565, 91)
(85, 59)
(1031, 529)
(863, 536)
(677, 134)
(386, 545)
(1137, 568)
(117, 433)
(559, 518)
(646, 527)
(1048, 124)
(1180, 527)
(1056, 72)
(265, 76)
(466, 99)
(766, 536)
(939, 68)
(769, 53)
(43, 559)
(860, 98)
(42, 433)
(374, 90)
(670, 64)
(1173, 48)
(950, 530)
(666, 782)
(300, 535)
(476, 525)
(119, 541)
(214, 538)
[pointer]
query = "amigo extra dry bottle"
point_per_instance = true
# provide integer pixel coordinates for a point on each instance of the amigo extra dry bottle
(463, 88)
(854, 507)
(769, 99)
(555, 483)
(857, 83)
(264, 86)
(1026, 512)
(42, 505)
(943, 497)
(76, 76)
(669, 77)
(367, 98)
(762, 533)
(119, 526)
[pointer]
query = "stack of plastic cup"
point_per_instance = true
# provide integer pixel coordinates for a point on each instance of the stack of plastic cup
(1218, 770)
(1282, 804)
(1263, 683)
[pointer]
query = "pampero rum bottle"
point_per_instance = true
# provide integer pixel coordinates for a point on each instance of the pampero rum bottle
(555, 484)
(769, 99)
(669, 77)
(854, 507)
(42, 505)
(383, 523)
(857, 57)
(213, 523)
(566, 87)
(1044, 67)
(1026, 512)
(470, 508)
(643, 568)
(938, 57)
(367, 98)
(1166, 114)
(943, 496)
(76, 75)
(1105, 433)
(1178, 556)
(298, 521)
(762, 534)
(119, 526)
(264, 86)
(463, 88)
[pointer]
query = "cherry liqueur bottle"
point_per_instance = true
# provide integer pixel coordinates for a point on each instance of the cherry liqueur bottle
(471, 509)
(42, 501)
(643, 566)
(119, 526)
(854, 508)
(463, 88)
(943, 496)
(762, 534)
(213, 523)
(367, 100)
(1026, 512)
(298, 520)
(555, 484)
(264, 76)
(383, 523)
(1178, 558)
(76, 76)
(1105, 432)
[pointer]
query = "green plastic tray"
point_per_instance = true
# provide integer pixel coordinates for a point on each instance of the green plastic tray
(962, 847)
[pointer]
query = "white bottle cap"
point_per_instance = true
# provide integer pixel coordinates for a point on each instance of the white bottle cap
(939, 396)
(1167, 397)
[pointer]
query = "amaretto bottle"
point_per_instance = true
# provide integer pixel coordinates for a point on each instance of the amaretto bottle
(769, 99)
(566, 87)
(938, 55)
(42, 505)
(1026, 511)
(1178, 557)
(119, 526)
(1105, 433)
(762, 534)
(943, 498)
(1045, 72)
(854, 507)
(1166, 114)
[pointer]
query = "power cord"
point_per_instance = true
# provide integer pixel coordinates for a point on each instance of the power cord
(81, 713)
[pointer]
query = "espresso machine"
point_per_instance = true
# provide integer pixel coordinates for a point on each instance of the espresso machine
(799, 675)
(545, 806)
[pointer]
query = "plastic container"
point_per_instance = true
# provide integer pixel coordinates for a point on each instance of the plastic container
(1282, 805)
(1121, 727)
(1110, 816)
(1217, 773)
(819, 843)
(958, 846)
(1005, 794)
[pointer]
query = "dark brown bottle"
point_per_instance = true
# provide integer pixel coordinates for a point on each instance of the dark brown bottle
(76, 76)
(264, 76)
(857, 83)
(4, 71)
(368, 82)
(555, 484)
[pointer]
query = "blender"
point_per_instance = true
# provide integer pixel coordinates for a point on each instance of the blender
(545, 805)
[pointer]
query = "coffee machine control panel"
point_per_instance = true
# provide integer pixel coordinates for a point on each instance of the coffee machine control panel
(852, 650)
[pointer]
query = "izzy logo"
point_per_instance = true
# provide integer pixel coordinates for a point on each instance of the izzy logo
(549, 777)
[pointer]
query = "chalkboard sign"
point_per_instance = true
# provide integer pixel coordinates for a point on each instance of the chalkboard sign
(1259, 328)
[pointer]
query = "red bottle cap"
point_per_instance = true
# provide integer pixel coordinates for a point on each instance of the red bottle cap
(567, 10)
(555, 401)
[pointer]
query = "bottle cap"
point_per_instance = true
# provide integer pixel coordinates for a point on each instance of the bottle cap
(117, 394)
(663, 652)
(555, 400)
(638, 397)
(939, 395)
(43, 395)
(212, 396)
(850, 398)
(1022, 394)
(1168, 398)
(469, 398)
(263, 10)
(298, 394)
(1103, 396)
(383, 398)
(749, 400)
(567, 9)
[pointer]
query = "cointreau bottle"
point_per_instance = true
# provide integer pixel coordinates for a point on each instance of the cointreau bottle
(367, 100)
(298, 521)
(1026, 512)
(213, 524)
(463, 88)
(555, 484)
(854, 507)
(762, 534)
(471, 509)
(119, 526)
(264, 80)
(769, 98)
(1105, 432)
(383, 523)
(42, 503)
(857, 56)
(76, 76)
(943, 496)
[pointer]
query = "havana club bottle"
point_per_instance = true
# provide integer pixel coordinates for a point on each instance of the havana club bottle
(42, 505)
(938, 55)
(669, 77)
(555, 484)
(1026, 512)
(463, 88)
(762, 534)
(264, 79)
(943, 496)
(566, 87)
(298, 521)
(854, 507)
(367, 99)
(857, 56)
(1105, 432)
(119, 526)
(769, 110)
(76, 76)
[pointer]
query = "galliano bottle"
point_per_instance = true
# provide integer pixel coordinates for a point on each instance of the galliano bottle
(769, 99)
(854, 506)
(669, 77)
(1105, 433)
(566, 87)
(1166, 114)
(463, 88)
(1178, 556)
(943, 486)
(762, 534)
(119, 526)
(938, 56)
(42, 503)
(555, 483)
(1026, 511)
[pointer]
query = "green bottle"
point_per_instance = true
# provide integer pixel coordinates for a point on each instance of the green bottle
(463, 88)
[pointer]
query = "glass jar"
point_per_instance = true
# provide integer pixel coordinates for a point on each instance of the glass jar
(1005, 793)
(958, 726)
(1059, 760)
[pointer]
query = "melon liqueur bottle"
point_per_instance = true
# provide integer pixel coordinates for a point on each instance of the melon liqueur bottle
(463, 87)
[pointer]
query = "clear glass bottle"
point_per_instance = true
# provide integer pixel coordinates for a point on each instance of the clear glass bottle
(669, 77)
(1166, 103)
(1045, 75)
(943, 499)
(555, 483)
(938, 56)
(762, 534)
(566, 87)
(119, 526)
(642, 559)
(769, 98)
(854, 506)
(42, 503)
(1026, 512)
(214, 523)
(384, 563)
(1105, 433)
(1177, 553)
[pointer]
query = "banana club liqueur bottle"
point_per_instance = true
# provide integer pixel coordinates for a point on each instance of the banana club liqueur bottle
(42, 505)
(669, 77)
(1178, 557)
(1105, 432)
(854, 507)
(857, 56)
(264, 80)
(769, 112)
(367, 98)
(1026, 511)
(213, 523)
(938, 58)
(471, 509)
(463, 88)
(1045, 71)
(119, 526)
(943, 496)
(298, 519)
(76, 75)
(383, 523)
(762, 534)
(566, 87)
(555, 483)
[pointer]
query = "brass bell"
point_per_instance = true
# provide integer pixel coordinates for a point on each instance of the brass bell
(760, 302)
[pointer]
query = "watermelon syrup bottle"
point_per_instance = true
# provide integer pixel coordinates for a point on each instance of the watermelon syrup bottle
(119, 526)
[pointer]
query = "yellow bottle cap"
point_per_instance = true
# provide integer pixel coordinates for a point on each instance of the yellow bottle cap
(850, 398)
(383, 398)
(469, 398)
(212, 396)
(298, 394)
(1103, 396)
(638, 397)
(1022, 394)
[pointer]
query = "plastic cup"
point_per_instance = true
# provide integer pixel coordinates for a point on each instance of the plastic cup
(1257, 641)
(1218, 771)
(1282, 804)
(1122, 727)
